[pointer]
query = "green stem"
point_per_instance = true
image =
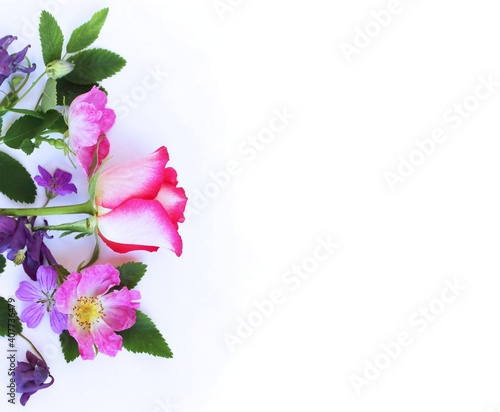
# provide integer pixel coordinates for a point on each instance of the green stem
(83, 208)
(33, 346)
(31, 87)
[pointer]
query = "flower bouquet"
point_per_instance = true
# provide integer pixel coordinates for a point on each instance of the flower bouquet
(93, 307)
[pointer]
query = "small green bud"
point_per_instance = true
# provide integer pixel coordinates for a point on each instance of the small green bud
(59, 68)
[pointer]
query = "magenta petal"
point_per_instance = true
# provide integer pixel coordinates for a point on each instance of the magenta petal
(107, 341)
(97, 280)
(85, 155)
(107, 120)
(66, 295)
(143, 223)
(84, 339)
(119, 307)
(173, 200)
(138, 178)
(33, 315)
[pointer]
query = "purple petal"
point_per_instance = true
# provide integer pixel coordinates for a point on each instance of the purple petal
(58, 321)
(47, 277)
(33, 315)
(27, 292)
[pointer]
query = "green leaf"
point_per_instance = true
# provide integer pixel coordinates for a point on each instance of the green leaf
(28, 147)
(15, 181)
(94, 65)
(33, 113)
(69, 346)
(144, 337)
(51, 37)
(26, 127)
(2, 263)
(131, 273)
(49, 96)
(10, 325)
(87, 33)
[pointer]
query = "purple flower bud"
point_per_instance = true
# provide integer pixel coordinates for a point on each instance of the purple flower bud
(9, 64)
(31, 376)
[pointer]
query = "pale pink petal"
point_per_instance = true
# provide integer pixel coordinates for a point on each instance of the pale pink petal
(119, 308)
(96, 280)
(139, 178)
(84, 339)
(82, 126)
(139, 225)
(174, 200)
(47, 278)
(107, 341)
(66, 296)
(33, 315)
(85, 155)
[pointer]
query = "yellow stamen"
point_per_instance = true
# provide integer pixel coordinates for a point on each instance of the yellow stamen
(88, 310)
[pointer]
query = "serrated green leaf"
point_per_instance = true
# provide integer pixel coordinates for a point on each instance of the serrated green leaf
(69, 346)
(26, 127)
(51, 38)
(15, 181)
(94, 65)
(10, 325)
(131, 273)
(87, 33)
(49, 96)
(3, 262)
(27, 146)
(144, 337)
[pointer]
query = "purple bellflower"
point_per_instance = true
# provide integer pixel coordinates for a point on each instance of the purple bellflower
(10, 64)
(41, 300)
(59, 184)
(31, 376)
(22, 245)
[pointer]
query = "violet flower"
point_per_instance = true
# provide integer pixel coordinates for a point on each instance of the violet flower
(10, 64)
(59, 184)
(24, 246)
(31, 376)
(41, 300)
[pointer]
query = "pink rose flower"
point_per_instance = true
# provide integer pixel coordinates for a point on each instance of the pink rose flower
(139, 205)
(88, 122)
(93, 314)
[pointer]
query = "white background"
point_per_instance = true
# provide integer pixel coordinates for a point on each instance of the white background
(323, 177)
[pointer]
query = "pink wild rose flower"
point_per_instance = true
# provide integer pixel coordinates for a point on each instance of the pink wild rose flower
(94, 315)
(139, 205)
(88, 122)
